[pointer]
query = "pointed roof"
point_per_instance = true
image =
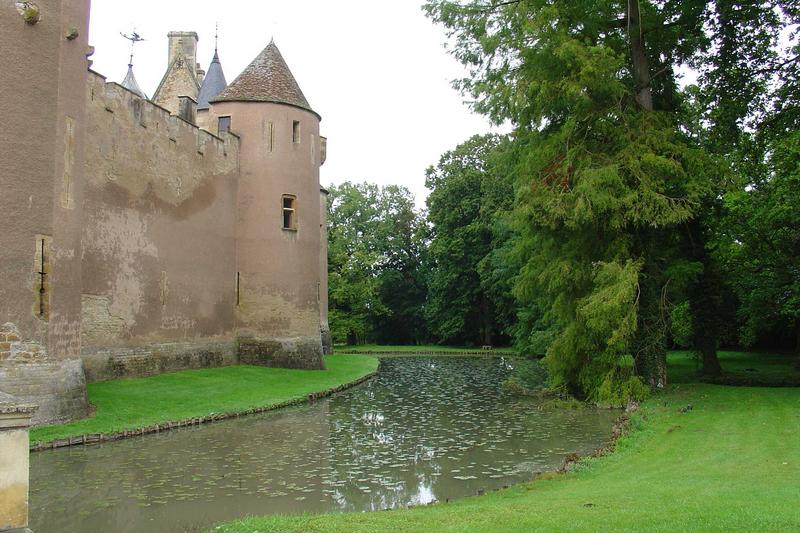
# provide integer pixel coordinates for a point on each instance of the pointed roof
(130, 83)
(213, 84)
(266, 79)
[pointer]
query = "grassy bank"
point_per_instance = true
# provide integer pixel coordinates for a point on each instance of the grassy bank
(133, 403)
(732, 462)
(411, 349)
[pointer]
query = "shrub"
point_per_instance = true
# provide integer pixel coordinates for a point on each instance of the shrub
(682, 329)
(529, 377)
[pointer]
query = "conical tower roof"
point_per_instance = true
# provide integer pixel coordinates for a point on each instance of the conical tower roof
(130, 83)
(213, 84)
(266, 79)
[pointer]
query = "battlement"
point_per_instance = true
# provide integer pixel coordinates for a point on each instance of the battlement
(141, 141)
(114, 97)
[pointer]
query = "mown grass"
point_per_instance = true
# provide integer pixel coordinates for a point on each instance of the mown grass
(367, 348)
(133, 403)
(764, 367)
(731, 463)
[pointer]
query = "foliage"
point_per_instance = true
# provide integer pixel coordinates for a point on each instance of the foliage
(469, 298)
(529, 376)
(764, 254)
(376, 251)
(619, 172)
(681, 325)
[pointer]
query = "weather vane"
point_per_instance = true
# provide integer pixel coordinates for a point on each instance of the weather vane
(133, 38)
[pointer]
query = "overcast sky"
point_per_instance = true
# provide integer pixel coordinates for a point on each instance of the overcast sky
(376, 71)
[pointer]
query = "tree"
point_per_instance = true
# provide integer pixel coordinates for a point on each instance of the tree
(764, 254)
(375, 255)
(466, 200)
(756, 120)
(402, 279)
(606, 175)
(734, 93)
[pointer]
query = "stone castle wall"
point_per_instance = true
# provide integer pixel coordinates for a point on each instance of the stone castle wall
(41, 172)
(159, 253)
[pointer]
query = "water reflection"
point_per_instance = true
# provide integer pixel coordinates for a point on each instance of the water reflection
(425, 429)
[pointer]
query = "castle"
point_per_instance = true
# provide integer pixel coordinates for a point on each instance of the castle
(140, 235)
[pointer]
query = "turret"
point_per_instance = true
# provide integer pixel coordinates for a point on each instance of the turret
(278, 226)
(131, 84)
(213, 84)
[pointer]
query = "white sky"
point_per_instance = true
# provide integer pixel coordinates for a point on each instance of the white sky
(376, 71)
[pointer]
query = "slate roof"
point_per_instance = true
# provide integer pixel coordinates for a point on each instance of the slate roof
(130, 83)
(266, 79)
(213, 84)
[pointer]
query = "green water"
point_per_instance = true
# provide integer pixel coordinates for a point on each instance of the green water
(424, 429)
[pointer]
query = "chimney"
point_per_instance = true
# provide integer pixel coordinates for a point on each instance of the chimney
(183, 44)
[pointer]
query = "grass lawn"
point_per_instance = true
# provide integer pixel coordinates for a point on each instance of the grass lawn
(133, 403)
(732, 463)
(365, 348)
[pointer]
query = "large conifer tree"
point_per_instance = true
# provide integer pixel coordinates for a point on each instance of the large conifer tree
(612, 187)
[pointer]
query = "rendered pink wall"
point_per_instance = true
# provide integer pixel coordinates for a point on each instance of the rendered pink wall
(279, 269)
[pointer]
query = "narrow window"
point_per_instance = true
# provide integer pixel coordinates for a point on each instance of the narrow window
(224, 124)
(42, 279)
(296, 132)
(271, 137)
(238, 287)
(289, 212)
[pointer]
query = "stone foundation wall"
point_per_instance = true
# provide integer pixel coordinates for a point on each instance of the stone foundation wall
(327, 341)
(102, 364)
(57, 386)
(296, 352)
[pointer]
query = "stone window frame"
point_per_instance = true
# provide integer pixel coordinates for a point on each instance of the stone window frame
(296, 132)
(219, 124)
(291, 209)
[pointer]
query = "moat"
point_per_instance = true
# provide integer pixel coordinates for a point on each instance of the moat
(424, 429)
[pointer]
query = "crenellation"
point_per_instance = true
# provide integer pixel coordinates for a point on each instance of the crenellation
(114, 98)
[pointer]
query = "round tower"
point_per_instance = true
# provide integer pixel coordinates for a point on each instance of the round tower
(278, 218)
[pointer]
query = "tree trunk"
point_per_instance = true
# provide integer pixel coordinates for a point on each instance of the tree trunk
(649, 345)
(641, 65)
(705, 303)
(797, 342)
(711, 366)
